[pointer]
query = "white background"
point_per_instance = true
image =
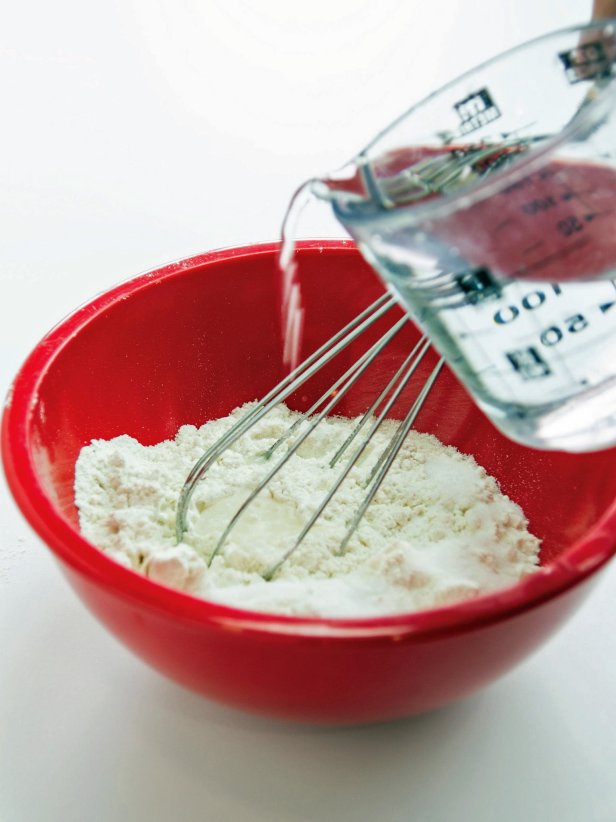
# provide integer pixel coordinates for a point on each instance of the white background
(135, 132)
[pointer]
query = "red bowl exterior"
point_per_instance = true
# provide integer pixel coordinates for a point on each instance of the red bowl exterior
(328, 679)
(115, 366)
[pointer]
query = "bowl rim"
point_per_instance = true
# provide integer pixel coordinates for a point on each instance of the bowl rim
(581, 560)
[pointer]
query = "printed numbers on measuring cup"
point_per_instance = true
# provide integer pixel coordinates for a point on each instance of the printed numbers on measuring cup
(529, 302)
(569, 226)
(528, 363)
(476, 110)
(586, 62)
(554, 333)
(538, 205)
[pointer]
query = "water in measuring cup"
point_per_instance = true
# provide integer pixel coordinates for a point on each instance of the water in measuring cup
(502, 289)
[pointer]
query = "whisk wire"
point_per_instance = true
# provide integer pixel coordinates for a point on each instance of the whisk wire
(301, 429)
(379, 472)
(348, 379)
(414, 358)
(415, 353)
(278, 394)
(360, 365)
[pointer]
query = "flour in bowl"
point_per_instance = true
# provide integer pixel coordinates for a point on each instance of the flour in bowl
(439, 530)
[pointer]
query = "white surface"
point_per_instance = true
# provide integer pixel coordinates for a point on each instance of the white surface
(141, 131)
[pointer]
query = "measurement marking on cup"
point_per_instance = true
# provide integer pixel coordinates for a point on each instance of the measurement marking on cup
(561, 254)
(528, 363)
(478, 285)
(586, 61)
(502, 225)
(570, 195)
(593, 215)
(532, 247)
(476, 110)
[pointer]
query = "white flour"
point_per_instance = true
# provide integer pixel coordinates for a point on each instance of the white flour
(439, 530)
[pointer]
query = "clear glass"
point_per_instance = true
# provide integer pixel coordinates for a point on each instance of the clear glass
(490, 211)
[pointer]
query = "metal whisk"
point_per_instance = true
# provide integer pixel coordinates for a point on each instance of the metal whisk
(324, 405)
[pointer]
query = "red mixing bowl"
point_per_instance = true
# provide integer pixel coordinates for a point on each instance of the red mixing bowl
(192, 341)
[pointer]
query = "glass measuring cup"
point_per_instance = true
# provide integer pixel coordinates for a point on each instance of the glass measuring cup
(490, 210)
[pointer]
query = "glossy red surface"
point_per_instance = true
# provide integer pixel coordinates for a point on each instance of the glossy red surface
(192, 341)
